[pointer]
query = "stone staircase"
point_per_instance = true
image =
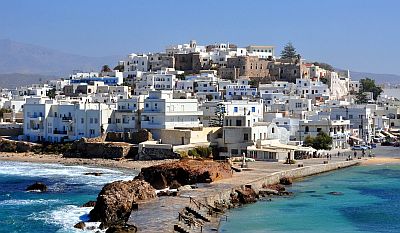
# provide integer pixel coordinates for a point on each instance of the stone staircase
(181, 229)
(193, 217)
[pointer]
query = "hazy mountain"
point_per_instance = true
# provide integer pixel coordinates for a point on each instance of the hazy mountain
(24, 58)
(17, 80)
(379, 78)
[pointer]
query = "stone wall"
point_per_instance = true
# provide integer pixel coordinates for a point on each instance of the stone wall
(156, 153)
(7, 145)
(130, 137)
(107, 150)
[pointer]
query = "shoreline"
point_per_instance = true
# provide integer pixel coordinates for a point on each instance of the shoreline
(125, 164)
(267, 172)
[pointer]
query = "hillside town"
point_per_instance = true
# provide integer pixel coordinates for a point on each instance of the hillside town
(236, 100)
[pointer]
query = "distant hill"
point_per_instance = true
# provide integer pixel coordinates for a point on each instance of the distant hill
(24, 58)
(379, 78)
(17, 80)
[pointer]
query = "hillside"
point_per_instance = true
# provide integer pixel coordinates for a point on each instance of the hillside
(24, 58)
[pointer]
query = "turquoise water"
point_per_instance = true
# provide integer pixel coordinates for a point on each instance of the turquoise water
(56, 210)
(370, 202)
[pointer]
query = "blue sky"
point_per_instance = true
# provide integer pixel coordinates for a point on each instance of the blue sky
(362, 35)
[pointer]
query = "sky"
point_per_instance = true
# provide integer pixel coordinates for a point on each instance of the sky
(360, 35)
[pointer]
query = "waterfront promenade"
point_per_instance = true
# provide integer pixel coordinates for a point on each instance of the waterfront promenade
(161, 214)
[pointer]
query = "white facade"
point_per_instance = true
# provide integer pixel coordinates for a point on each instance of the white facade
(162, 111)
(48, 120)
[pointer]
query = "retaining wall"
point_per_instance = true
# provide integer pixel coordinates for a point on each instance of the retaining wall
(275, 177)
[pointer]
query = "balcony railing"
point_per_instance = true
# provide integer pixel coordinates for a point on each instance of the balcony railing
(59, 132)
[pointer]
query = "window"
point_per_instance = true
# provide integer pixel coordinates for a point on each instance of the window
(96, 121)
(91, 120)
(234, 151)
(245, 137)
(109, 121)
(319, 129)
(253, 109)
(235, 109)
(238, 122)
(82, 121)
(273, 130)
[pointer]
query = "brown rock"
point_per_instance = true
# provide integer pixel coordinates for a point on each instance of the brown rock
(114, 202)
(277, 187)
(37, 187)
(80, 225)
(93, 174)
(246, 195)
(122, 229)
(175, 185)
(286, 181)
(186, 172)
(89, 204)
(159, 181)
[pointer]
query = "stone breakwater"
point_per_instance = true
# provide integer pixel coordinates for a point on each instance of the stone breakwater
(274, 178)
(189, 210)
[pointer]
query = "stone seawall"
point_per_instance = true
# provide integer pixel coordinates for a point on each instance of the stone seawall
(274, 178)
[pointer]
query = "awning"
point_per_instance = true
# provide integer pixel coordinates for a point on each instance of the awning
(356, 138)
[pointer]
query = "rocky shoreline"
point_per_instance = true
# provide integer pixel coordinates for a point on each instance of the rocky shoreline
(96, 162)
(199, 200)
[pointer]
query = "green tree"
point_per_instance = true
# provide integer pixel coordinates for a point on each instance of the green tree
(218, 119)
(324, 66)
(321, 142)
(308, 141)
(361, 98)
(4, 110)
(289, 51)
(368, 85)
(120, 68)
(105, 68)
(51, 93)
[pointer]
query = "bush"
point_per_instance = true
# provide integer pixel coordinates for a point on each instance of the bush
(200, 152)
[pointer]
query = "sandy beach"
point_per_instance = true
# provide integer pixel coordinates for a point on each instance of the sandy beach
(380, 160)
(54, 158)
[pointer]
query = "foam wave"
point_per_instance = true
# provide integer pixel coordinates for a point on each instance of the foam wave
(66, 217)
(16, 202)
(72, 174)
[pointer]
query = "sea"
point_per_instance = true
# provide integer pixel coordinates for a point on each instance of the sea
(57, 210)
(367, 199)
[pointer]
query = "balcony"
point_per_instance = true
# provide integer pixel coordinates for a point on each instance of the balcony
(59, 132)
(66, 118)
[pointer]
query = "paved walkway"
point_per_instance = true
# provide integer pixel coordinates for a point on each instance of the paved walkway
(161, 214)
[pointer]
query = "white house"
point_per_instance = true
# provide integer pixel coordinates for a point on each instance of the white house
(162, 111)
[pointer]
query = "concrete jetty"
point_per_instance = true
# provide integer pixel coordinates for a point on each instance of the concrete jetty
(161, 215)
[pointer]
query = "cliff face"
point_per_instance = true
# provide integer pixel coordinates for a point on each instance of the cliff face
(185, 172)
(114, 202)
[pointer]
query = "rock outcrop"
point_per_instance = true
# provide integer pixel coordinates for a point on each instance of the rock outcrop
(7, 145)
(245, 195)
(89, 204)
(114, 202)
(80, 225)
(185, 172)
(93, 174)
(40, 187)
(97, 148)
(286, 181)
(126, 228)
